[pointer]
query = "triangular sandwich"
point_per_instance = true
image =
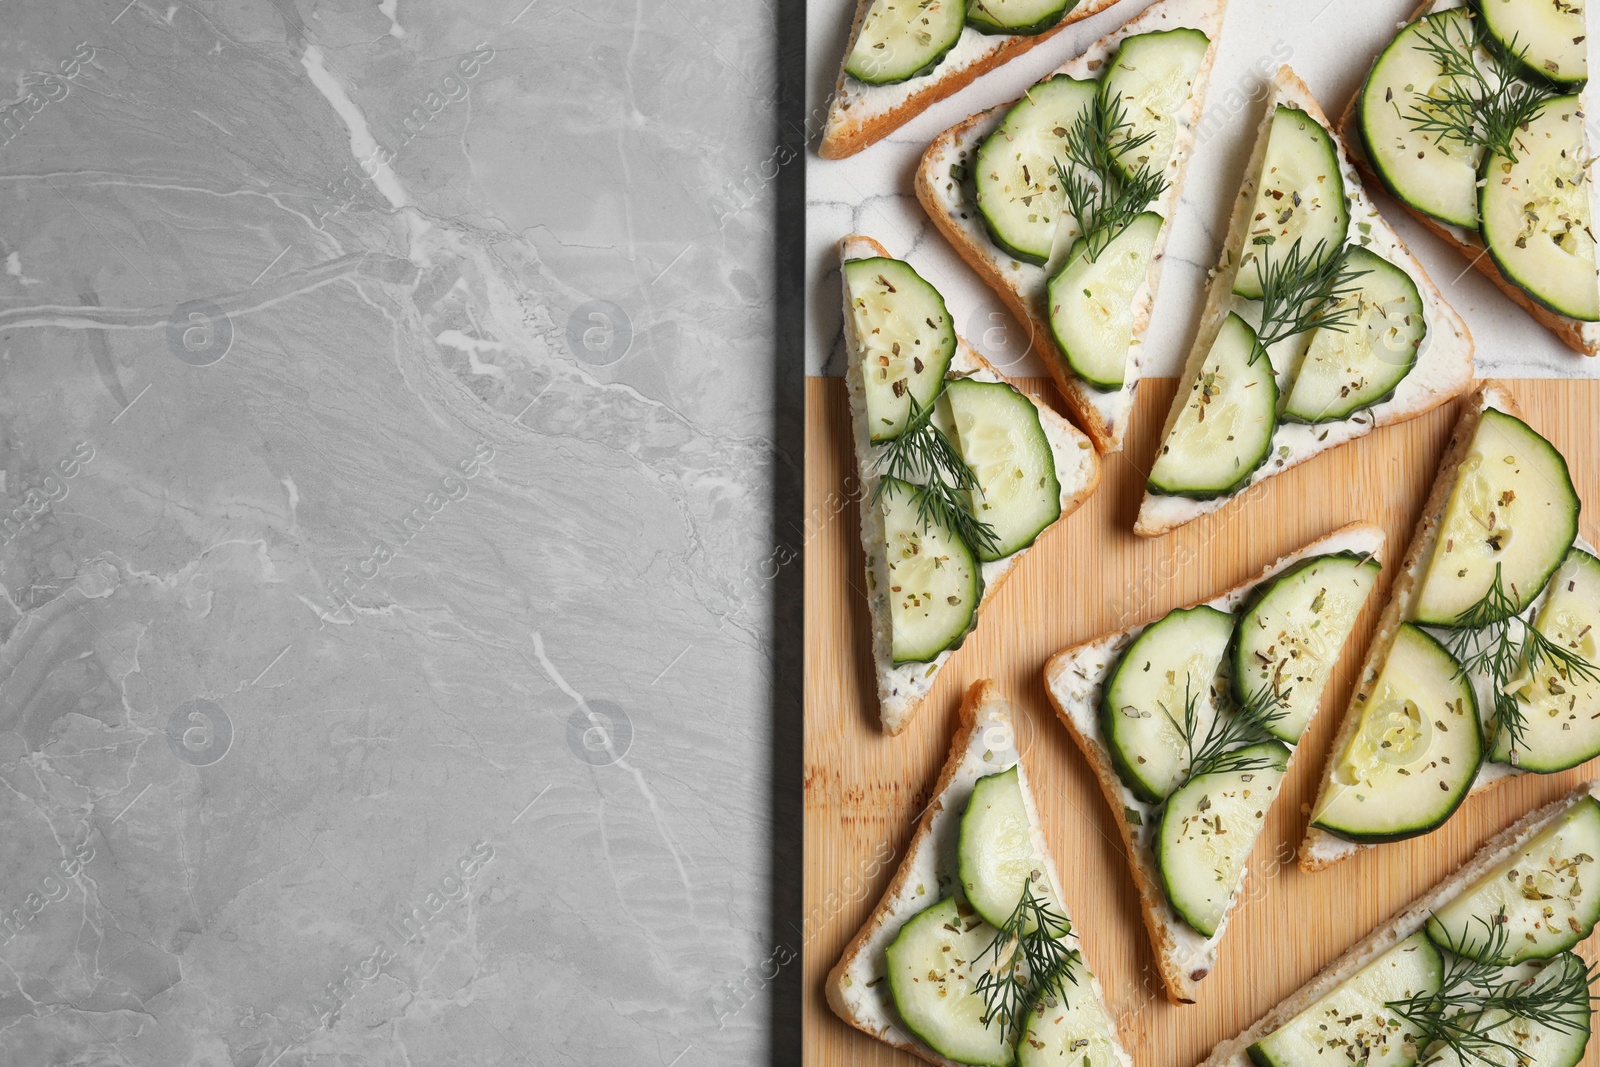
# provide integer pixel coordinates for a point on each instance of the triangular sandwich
(1078, 261)
(1486, 663)
(970, 958)
(1318, 327)
(959, 472)
(1189, 723)
(904, 56)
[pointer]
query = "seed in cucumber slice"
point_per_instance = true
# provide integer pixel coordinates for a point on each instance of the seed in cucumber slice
(1018, 192)
(1535, 213)
(1292, 630)
(1352, 1024)
(1172, 662)
(934, 965)
(995, 855)
(1415, 750)
(998, 432)
(1224, 431)
(904, 39)
(1545, 38)
(1066, 1025)
(1513, 511)
(1020, 17)
(1299, 196)
(935, 581)
(1347, 370)
(1091, 302)
(1503, 1040)
(1207, 831)
(1153, 77)
(1549, 893)
(1438, 178)
(1560, 707)
(904, 339)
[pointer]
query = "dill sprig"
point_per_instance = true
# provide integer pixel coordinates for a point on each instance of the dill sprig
(1221, 748)
(1029, 954)
(1301, 292)
(1103, 198)
(1475, 998)
(1484, 642)
(1474, 107)
(942, 483)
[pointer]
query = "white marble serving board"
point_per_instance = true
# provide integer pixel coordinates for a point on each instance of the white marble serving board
(1325, 41)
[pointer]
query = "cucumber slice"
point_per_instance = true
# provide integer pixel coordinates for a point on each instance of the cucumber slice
(1548, 35)
(1561, 709)
(1344, 371)
(1549, 891)
(934, 965)
(1536, 215)
(1091, 302)
(904, 39)
(1415, 751)
(904, 337)
(1436, 178)
(1176, 658)
(1292, 630)
(1300, 196)
(1018, 192)
(1352, 1024)
(994, 854)
(1153, 75)
(1513, 507)
(1067, 1026)
(998, 433)
(935, 582)
(1514, 1041)
(1020, 17)
(1224, 431)
(1207, 831)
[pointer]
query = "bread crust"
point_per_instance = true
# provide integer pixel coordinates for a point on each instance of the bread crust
(983, 256)
(1398, 927)
(1287, 83)
(1567, 329)
(982, 703)
(1314, 851)
(896, 715)
(843, 137)
(1181, 986)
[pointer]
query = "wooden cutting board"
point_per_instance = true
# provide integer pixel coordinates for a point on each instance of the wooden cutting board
(1087, 576)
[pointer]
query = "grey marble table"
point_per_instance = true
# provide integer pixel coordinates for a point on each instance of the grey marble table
(394, 624)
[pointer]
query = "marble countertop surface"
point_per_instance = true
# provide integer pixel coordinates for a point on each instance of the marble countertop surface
(388, 447)
(1329, 43)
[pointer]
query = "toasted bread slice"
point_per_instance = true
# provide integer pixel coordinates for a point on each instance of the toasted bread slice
(1022, 286)
(860, 115)
(1576, 334)
(1443, 368)
(1075, 678)
(1500, 848)
(984, 744)
(902, 688)
(1322, 849)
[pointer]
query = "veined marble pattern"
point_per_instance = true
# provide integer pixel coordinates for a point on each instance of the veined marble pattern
(386, 567)
(1329, 43)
